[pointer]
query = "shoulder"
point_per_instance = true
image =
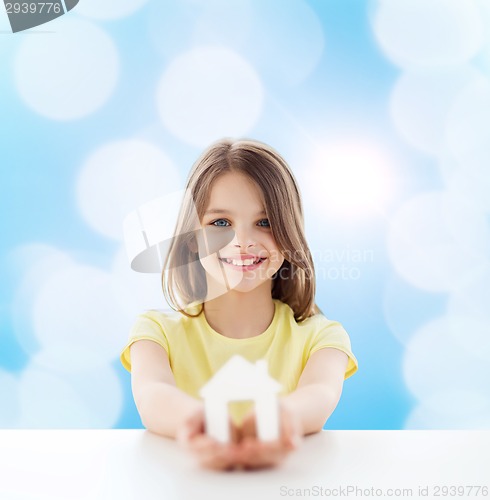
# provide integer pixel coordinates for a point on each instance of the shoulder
(326, 333)
(165, 320)
(318, 323)
(321, 328)
(165, 327)
(311, 324)
(305, 331)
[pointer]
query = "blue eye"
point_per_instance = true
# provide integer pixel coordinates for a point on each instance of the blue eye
(219, 225)
(214, 223)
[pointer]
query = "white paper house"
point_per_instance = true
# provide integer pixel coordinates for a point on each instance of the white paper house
(240, 380)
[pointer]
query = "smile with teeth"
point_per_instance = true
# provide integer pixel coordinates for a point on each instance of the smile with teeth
(245, 262)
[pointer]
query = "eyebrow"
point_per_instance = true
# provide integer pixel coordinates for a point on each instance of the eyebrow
(223, 211)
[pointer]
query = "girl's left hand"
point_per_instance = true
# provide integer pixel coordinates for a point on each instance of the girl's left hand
(209, 452)
(255, 454)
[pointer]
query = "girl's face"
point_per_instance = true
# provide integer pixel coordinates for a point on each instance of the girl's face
(235, 213)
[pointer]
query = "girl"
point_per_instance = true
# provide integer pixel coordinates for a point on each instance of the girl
(240, 277)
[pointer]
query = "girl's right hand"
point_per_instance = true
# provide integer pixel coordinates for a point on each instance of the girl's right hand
(209, 452)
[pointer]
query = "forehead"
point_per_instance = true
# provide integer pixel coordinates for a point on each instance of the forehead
(235, 191)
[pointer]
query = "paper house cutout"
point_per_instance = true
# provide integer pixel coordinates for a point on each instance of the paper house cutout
(240, 380)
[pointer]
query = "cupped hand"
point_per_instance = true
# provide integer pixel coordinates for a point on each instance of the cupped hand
(245, 449)
(256, 454)
(210, 453)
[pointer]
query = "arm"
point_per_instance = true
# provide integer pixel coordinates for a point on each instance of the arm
(319, 389)
(161, 405)
(166, 410)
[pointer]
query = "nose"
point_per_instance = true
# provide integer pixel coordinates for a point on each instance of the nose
(243, 239)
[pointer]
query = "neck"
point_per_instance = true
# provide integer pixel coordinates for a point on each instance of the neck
(241, 314)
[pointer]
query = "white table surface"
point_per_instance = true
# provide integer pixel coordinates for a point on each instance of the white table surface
(136, 464)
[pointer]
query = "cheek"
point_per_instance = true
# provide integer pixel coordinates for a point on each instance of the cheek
(208, 261)
(219, 273)
(272, 246)
(211, 240)
(275, 257)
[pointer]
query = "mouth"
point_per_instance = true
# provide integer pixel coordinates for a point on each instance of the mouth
(244, 265)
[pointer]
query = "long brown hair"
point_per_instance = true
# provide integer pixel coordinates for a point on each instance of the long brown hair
(294, 283)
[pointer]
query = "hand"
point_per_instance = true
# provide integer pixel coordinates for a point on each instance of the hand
(210, 453)
(256, 454)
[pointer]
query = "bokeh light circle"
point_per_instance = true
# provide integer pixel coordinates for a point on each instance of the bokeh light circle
(468, 175)
(10, 400)
(119, 177)
(468, 122)
(174, 27)
(437, 240)
(286, 40)
(75, 308)
(472, 299)
(33, 263)
(56, 400)
(435, 361)
(406, 307)
(135, 292)
(469, 304)
(357, 176)
(283, 39)
(69, 74)
(428, 33)
(208, 93)
(421, 101)
(451, 409)
(49, 401)
(108, 9)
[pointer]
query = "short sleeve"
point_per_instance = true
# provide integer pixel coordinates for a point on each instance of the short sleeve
(146, 327)
(332, 334)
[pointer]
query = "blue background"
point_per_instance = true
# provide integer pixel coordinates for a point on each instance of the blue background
(345, 95)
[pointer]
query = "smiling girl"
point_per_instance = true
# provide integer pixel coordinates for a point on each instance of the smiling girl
(240, 277)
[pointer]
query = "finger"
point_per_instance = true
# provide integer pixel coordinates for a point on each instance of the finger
(192, 426)
(263, 461)
(256, 454)
(185, 435)
(235, 432)
(224, 458)
(202, 444)
(291, 433)
(291, 438)
(216, 463)
(195, 424)
(249, 425)
(214, 455)
(259, 454)
(203, 449)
